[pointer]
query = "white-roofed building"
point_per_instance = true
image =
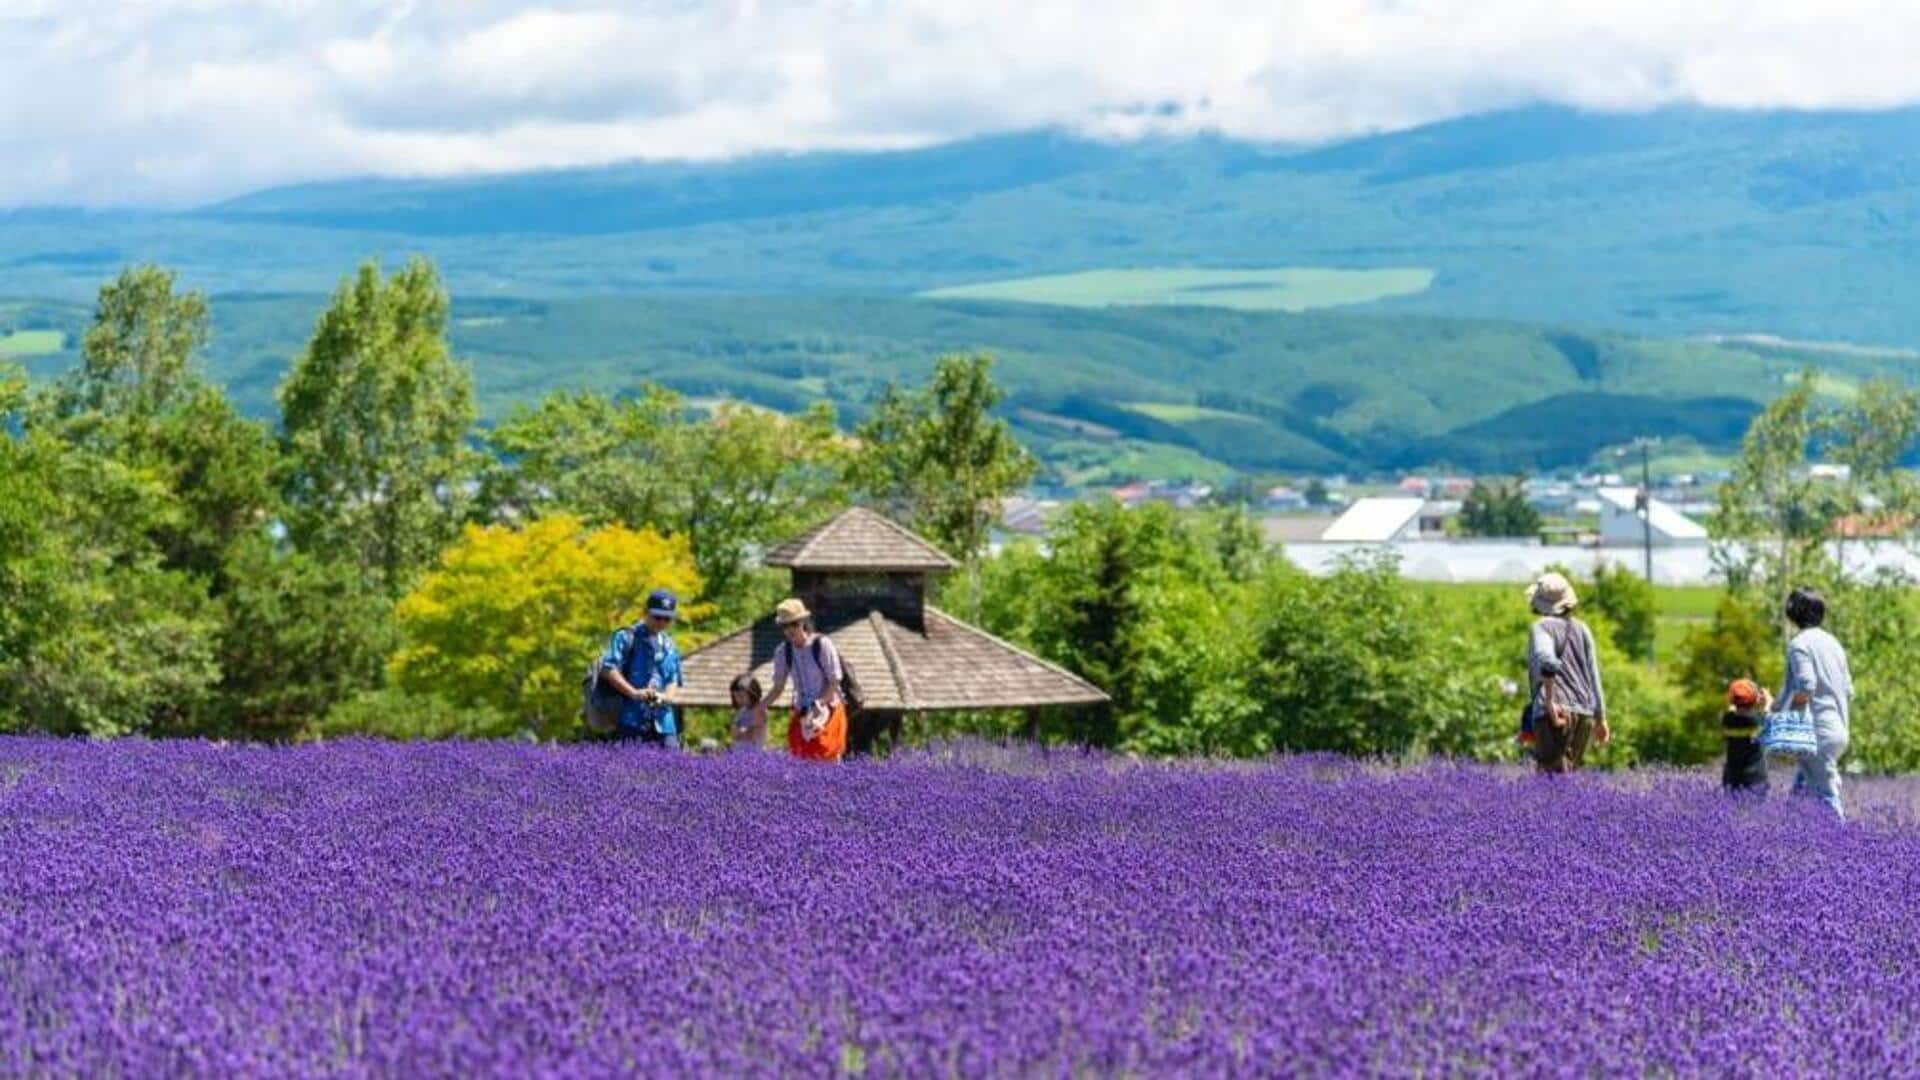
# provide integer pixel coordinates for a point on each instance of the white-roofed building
(1620, 524)
(1377, 521)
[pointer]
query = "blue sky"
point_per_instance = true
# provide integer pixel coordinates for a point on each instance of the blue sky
(171, 102)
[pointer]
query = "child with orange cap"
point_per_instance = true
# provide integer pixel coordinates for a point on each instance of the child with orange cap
(1746, 767)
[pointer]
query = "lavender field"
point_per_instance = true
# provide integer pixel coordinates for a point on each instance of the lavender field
(375, 909)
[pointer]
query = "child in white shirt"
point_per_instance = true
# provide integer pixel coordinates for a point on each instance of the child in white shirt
(749, 725)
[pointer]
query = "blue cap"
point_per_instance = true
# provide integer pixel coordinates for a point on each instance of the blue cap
(662, 603)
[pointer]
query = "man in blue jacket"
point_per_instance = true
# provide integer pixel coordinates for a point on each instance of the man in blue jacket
(642, 664)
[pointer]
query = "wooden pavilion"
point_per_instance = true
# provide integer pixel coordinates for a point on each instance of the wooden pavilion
(865, 579)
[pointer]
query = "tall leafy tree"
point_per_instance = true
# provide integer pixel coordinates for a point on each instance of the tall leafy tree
(138, 396)
(137, 358)
(939, 458)
(1775, 518)
(376, 413)
(1087, 604)
(732, 481)
(751, 479)
(604, 458)
(96, 635)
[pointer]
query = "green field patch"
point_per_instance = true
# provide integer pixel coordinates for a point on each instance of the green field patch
(1102, 464)
(1175, 413)
(1085, 428)
(32, 343)
(710, 404)
(1287, 288)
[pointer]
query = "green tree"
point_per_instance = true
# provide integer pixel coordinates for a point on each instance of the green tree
(376, 413)
(1630, 605)
(138, 397)
(1775, 518)
(1356, 663)
(940, 460)
(299, 636)
(1499, 508)
(1149, 605)
(1741, 642)
(137, 359)
(733, 481)
(96, 635)
(761, 478)
(606, 459)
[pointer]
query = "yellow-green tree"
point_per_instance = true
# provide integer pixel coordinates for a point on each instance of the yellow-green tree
(511, 615)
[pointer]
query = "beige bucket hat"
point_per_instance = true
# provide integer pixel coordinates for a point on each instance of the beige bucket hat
(1552, 594)
(790, 611)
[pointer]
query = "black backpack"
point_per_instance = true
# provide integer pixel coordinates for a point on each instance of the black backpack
(600, 707)
(850, 692)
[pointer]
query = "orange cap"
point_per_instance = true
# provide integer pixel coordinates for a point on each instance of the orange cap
(1743, 694)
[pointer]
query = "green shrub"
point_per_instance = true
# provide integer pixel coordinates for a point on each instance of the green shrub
(395, 714)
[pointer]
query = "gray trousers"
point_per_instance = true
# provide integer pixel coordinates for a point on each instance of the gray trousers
(1819, 775)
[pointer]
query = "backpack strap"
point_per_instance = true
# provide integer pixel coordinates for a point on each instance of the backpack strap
(634, 634)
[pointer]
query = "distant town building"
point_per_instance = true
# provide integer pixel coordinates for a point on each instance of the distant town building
(1871, 526)
(1285, 498)
(1435, 514)
(1620, 522)
(1285, 529)
(1550, 496)
(1416, 485)
(1184, 496)
(1377, 520)
(1025, 515)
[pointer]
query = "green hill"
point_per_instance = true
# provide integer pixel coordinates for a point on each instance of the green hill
(1101, 393)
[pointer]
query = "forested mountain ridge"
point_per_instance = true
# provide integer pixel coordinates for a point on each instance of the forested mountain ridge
(1680, 221)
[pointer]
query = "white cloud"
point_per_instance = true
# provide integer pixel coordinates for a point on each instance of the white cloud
(178, 101)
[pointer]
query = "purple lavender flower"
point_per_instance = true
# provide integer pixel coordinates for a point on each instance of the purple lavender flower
(375, 909)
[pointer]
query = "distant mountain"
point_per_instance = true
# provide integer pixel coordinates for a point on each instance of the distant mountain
(1805, 225)
(629, 198)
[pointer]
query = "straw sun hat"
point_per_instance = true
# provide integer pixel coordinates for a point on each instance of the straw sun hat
(1552, 594)
(790, 611)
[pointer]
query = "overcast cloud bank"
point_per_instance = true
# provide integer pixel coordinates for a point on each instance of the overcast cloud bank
(181, 101)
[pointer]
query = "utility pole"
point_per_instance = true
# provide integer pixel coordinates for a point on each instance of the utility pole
(1643, 505)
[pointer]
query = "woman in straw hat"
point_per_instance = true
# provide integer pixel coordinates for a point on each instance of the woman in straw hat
(817, 725)
(1569, 707)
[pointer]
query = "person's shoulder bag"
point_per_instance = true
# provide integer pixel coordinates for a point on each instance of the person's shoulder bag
(1789, 733)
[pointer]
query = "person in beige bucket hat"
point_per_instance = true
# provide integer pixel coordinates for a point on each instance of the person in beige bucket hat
(1566, 707)
(817, 725)
(1552, 594)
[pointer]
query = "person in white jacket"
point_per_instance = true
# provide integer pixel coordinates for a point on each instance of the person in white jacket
(1818, 681)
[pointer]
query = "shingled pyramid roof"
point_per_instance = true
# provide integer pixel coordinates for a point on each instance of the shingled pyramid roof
(859, 539)
(949, 666)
